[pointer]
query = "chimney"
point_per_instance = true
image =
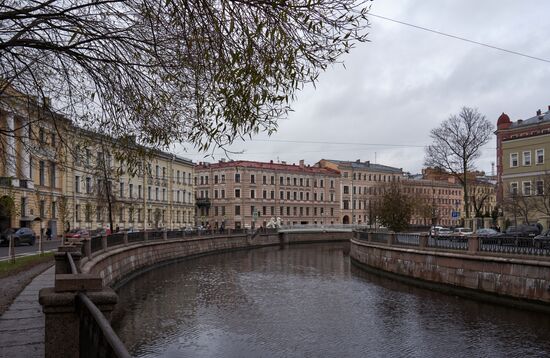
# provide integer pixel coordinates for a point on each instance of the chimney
(539, 112)
(271, 162)
(367, 163)
(283, 162)
(301, 163)
(358, 161)
(520, 121)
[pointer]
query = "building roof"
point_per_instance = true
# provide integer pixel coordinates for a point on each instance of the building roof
(539, 118)
(367, 165)
(282, 167)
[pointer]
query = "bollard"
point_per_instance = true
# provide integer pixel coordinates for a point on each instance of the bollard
(125, 238)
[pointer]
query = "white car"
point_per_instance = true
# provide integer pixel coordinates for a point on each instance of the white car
(462, 231)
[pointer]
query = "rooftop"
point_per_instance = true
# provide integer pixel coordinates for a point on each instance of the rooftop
(367, 165)
(538, 118)
(282, 167)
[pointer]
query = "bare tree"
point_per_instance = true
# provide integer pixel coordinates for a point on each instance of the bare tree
(159, 71)
(519, 205)
(457, 144)
(479, 196)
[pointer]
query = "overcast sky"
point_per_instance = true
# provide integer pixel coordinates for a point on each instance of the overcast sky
(404, 82)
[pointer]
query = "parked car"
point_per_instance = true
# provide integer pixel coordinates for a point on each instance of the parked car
(100, 232)
(440, 231)
(22, 235)
(487, 233)
(77, 234)
(542, 240)
(461, 231)
(522, 231)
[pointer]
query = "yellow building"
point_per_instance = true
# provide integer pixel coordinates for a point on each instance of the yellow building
(54, 175)
(523, 172)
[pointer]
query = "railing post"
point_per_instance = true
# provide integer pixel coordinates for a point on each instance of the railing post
(88, 247)
(145, 235)
(164, 235)
(104, 242)
(473, 244)
(423, 241)
(391, 239)
(125, 238)
(369, 236)
(228, 232)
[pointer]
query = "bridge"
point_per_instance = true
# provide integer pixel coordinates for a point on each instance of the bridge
(321, 228)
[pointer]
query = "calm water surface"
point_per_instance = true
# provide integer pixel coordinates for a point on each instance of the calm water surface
(309, 301)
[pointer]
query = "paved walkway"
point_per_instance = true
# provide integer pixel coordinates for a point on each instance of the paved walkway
(22, 325)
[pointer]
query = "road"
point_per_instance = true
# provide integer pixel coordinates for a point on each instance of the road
(24, 250)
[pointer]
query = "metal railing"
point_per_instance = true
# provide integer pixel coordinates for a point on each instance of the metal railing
(511, 245)
(504, 245)
(407, 239)
(322, 227)
(448, 242)
(96, 336)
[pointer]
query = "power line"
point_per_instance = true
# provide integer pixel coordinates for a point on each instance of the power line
(460, 38)
(339, 143)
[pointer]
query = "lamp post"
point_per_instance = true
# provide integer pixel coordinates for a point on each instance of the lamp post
(40, 246)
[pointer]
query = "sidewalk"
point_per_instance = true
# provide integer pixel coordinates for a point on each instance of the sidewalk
(22, 325)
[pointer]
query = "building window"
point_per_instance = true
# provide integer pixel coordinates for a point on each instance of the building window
(264, 194)
(264, 180)
(540, 187)
(527, 158)
(77, 184)
(237, 178)
(88, 185)
(156, 193)
(131, 190)
(121, 191)
(42, 174)
(526, 188)
(223, 194)
(237, 210)
(23, 206)
(252, 194)
(346, 189)
(54, 209)
(237, 193)
(513, 160)
(252, 179)
(77, 212)
(139, 192)
(540, 156)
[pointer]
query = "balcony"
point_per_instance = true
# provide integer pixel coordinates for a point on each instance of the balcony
(202, 202)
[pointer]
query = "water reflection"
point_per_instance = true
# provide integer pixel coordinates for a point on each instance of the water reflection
(308, 301)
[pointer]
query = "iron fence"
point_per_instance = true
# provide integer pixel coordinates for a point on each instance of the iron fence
(115, 239)
(511, 245)
(95, 243)
(448, 242)
(136, 236)
(380, 237)
(97, 337)
(407, 239)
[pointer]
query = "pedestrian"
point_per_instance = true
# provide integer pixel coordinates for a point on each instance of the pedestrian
(48, 234)
(117, 229)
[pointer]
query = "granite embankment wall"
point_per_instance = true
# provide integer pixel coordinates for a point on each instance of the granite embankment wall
(121, 262)
(518, 281)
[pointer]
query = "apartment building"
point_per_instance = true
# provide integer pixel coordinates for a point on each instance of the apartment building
(522, 168)
(156, 193)
(55, 175)
(361, 185)
(437, 202)
(247, 194)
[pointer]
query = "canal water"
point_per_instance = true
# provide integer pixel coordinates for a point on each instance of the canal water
(309, 301)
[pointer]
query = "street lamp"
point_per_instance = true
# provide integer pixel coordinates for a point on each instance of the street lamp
(40, 247)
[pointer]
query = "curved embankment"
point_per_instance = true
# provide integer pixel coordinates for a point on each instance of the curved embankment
(122, 262)
(517, 281)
